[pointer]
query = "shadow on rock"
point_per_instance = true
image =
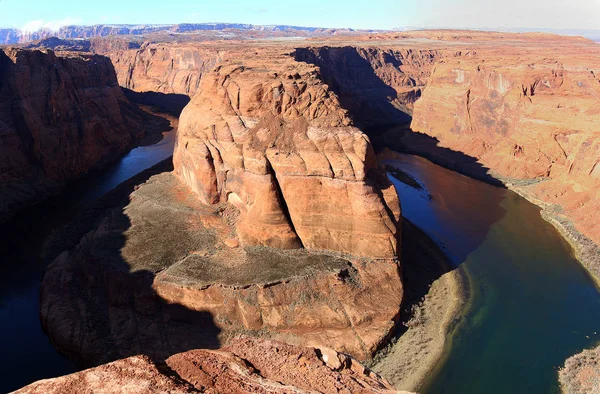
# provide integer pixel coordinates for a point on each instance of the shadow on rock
(96, 307)
(380, 111)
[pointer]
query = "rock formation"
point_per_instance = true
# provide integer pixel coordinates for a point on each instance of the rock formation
(60, 116)
(163, 274)
(278, 223)
(246, 365)
(276, 144)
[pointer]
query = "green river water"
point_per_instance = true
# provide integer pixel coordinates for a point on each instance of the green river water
(531, 304)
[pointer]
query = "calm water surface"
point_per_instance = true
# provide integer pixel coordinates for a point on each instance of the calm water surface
(26, 355)
(532, 304)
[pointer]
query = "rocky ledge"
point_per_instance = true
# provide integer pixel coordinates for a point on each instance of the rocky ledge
(245, 366)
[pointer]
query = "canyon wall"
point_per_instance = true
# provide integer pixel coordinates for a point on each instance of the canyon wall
(163, 68)
(377, 85)
(60, 116)
(528, 112)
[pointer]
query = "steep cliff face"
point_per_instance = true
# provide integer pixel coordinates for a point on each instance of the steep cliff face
(276, 144)
(163, 68)
(377, 85)
(246, 366)
(525, 120)
(60, 115)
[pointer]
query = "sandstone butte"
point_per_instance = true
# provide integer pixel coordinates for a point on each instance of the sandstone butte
(245, 366)
(60, 116)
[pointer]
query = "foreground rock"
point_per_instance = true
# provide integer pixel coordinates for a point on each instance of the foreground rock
(245, 366)
(60, 116)
(163, 274)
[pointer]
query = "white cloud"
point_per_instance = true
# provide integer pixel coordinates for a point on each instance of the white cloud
(33, 26)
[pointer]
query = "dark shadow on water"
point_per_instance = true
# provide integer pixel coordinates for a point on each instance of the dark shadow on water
(107, 312)
(171, 102)
(423, 262)
(402, 139)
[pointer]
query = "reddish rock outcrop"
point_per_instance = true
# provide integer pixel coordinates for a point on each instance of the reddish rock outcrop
(581, 373)
(275, 142)
(245, 366)
(60, 116)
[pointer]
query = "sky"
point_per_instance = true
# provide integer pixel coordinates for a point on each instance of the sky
(31, 15)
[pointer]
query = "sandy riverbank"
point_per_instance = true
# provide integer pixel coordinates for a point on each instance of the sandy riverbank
(436, 298)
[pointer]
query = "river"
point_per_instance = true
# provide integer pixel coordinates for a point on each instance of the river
(531, 305)
(27, 354)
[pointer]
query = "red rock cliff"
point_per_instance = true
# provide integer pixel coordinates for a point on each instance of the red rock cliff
(60, 115)
(527, 110)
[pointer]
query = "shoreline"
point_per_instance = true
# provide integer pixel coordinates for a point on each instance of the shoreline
(580, 373)
(428, 322)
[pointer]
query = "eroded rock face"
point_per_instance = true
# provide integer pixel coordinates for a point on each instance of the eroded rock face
(245, 366)
(525, 120)
(378, 85)
(161, 275)
(163, 68)
(60, 115)
(276, 143)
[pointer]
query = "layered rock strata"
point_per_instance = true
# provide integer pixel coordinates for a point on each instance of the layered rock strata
(245, 366)
(275, 143)
(60, 116)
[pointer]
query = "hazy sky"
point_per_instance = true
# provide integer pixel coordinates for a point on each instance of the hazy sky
(375, 14)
